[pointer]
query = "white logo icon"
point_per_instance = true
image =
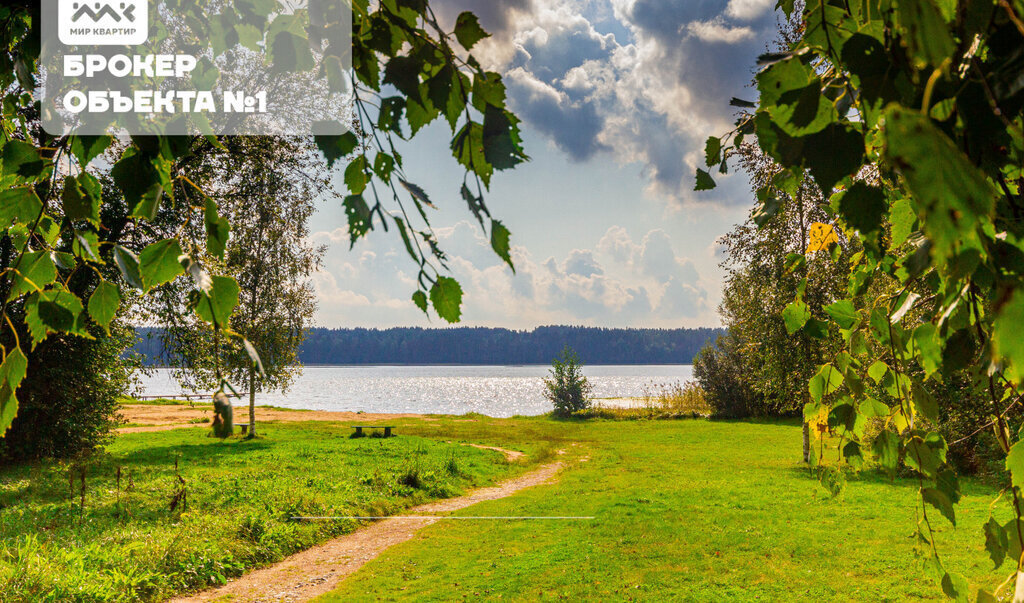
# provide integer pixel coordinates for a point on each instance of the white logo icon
(103, 22)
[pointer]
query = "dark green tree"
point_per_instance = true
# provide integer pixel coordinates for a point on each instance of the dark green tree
(566, 386)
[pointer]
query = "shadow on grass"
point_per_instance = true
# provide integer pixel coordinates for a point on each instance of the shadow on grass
(206, 451)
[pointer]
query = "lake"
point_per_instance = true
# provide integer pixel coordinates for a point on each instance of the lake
(497, 391)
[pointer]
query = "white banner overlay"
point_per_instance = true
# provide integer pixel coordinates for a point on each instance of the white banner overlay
(243, 67)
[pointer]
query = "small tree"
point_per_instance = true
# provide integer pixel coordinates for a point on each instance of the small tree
(567, 388)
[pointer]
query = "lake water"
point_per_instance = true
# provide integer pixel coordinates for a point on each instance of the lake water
(497, 391)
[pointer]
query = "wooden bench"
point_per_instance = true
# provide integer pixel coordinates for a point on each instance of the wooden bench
(359, 430)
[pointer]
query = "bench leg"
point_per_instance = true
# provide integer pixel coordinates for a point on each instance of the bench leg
(245, 429)
(387, 432)
(359, 432)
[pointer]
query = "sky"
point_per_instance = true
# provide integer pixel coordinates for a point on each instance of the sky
(617, 98)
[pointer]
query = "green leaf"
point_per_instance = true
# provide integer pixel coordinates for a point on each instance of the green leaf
(843, 313)
(403, 73)
(940, 501)
(35, 271)
(335, 147)
(128, 264)
(144, 182)
(356, 178)
(796, 315)
(927, 349)
(81, 203)
(360, 219)
(420, 299)
(446, 297)
(929, 38)
(791, 92)
(947, 187)
(1014, 533)
(924, 402)
(502, 145)
(833, 154)
(922, 457)
(1015, 464)
(217, 230)
(12, 372)
(713, 151)
(827, 380)
(54, 311)
(873, 408)
(417, 192)
(468, 31)
(104, 303)
(290, 53)
(217, 305)
(159, 263)
(22, 160)
(87, 148)
(20, 205)
(704, 181)
(995, 542)
(1006, 334)
(903, 220)
(500, 242)
(863, 207)
(955, 586)
(886, 449)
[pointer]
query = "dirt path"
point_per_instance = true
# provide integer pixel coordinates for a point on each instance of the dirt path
(161, 418)
(319, 570)
(511, 455)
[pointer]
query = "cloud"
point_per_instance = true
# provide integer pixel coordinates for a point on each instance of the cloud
(644, 81)
(717, 31)
(747, 10)
(618, 282)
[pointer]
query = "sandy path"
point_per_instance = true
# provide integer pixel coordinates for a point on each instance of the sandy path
(162, 418)
(319, 570)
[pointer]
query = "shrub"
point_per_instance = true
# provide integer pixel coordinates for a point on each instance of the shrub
(69, 400)
(567, 388)
(719, 371)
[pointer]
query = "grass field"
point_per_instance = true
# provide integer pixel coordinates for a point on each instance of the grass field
(128, 544)
(684, 510)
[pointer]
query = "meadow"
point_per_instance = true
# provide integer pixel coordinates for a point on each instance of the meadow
(683, 510)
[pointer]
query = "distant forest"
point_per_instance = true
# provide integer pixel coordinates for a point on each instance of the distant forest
(405, 345)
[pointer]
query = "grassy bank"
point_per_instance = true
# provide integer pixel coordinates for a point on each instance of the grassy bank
(148, 534)
(684, 510)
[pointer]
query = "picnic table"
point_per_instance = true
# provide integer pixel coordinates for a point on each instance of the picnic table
(359, 430)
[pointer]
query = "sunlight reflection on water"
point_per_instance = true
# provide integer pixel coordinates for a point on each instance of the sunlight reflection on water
(498, 391)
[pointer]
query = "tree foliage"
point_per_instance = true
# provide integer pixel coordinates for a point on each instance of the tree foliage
(927, 95)
(57, 227)
(566, 386)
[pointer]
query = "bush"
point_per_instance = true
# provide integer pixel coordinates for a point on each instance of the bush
(677, 399)
(69, 400)
(567, 388)
(719, 371)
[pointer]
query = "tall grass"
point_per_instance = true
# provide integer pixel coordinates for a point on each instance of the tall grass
(674, 400)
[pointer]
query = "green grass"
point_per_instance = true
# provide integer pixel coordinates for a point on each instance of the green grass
(685, 510)
(128, 544)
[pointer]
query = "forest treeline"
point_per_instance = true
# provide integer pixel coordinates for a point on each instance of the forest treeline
(407, 345)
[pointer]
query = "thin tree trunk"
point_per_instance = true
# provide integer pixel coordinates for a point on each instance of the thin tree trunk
(807, 443)
(806, 342)
(252, 402)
